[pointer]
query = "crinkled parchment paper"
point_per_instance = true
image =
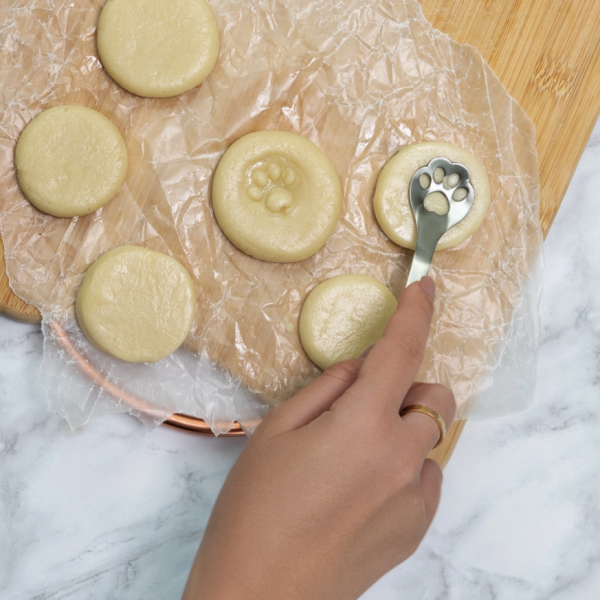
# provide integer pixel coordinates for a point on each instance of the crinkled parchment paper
(359, 78)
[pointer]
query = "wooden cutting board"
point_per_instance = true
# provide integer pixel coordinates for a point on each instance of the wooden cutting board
(547, 55)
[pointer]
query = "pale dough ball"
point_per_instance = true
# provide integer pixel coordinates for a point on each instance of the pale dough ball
(158, 48)
(343, 316)
(136, 304)
(392, 201)
(276, 196)
(71, 160)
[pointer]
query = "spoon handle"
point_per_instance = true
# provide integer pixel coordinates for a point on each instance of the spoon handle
(430, 228)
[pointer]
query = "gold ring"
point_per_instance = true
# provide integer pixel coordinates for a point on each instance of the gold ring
(430, 413)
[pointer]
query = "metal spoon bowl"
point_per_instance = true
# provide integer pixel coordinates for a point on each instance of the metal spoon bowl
(430, 225)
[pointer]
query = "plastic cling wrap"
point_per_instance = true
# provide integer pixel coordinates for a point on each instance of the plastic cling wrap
(358, 78)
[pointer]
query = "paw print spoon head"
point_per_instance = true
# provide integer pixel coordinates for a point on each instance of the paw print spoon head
(451, 180)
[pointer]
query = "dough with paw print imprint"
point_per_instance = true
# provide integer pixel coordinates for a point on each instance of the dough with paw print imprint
(392, 200)
(276, 196)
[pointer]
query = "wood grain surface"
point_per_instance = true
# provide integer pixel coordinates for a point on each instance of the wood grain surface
(547, 54)
(11, 305)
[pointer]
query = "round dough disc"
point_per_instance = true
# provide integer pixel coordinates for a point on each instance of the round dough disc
(392, 201)
(136, 304)
(276, 196)
(155, 48)
(71, 160)
(343, 316)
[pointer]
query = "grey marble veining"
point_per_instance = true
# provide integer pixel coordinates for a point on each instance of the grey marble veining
(108, 511)
(112, 511)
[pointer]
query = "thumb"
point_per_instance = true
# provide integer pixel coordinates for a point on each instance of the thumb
(313, 400)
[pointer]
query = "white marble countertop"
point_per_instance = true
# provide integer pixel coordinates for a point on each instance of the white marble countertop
(113, 511)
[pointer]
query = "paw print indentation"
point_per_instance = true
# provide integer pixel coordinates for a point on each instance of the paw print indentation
(441, 188)
(437, 202)
(274, 181)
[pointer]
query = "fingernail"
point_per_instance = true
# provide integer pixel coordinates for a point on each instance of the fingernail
(366, 352)
(428, 287)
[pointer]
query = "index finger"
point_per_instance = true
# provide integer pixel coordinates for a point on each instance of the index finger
(392, 364)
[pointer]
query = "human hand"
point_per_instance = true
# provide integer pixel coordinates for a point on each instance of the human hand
(333, 489)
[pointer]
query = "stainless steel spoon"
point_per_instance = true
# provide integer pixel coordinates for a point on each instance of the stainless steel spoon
(430, 225)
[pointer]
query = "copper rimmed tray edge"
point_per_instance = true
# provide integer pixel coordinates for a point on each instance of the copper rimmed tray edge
(179, 421)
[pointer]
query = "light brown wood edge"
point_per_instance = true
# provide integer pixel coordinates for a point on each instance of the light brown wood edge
(10, 304)
(444, 451)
